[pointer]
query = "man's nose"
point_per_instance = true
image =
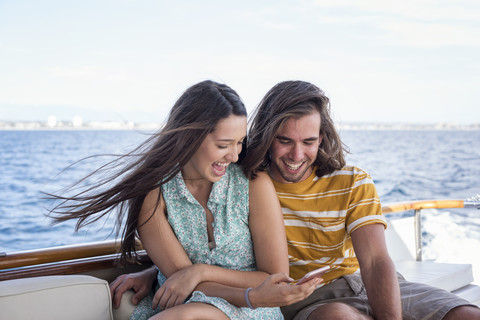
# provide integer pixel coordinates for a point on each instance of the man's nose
(296, 153)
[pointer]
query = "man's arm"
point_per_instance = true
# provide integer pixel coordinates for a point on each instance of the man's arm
(141, 282)
(378, 271)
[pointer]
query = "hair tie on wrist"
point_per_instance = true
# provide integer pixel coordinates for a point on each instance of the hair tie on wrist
(247, 300)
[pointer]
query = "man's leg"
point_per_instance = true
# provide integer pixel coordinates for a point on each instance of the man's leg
(337, 311)
(463, 312)
(345, 298)
(420, 301)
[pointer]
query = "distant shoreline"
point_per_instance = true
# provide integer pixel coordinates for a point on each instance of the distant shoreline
(67, 125)
(408, 126)
(111, 125)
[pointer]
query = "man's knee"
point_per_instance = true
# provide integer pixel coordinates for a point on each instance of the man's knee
(337, 310)
(463, 312)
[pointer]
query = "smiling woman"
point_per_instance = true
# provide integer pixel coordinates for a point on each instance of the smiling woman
(196, 214)
(159, 159)
(218, 150)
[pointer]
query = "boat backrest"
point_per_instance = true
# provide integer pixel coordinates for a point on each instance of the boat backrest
(396, 245)
(453, 277)
(56, 297)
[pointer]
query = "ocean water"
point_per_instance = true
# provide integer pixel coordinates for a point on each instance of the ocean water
(36, 161)
(420, 165)
(405, 165)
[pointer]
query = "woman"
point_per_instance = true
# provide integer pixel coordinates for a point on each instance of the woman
(198, 217)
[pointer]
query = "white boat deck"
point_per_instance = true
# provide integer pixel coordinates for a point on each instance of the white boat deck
(453, 277)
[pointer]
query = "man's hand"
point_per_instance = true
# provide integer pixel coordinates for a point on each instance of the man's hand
(140, 282)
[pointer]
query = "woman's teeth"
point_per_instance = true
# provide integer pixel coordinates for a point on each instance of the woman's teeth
(220, 168)
(221, 164)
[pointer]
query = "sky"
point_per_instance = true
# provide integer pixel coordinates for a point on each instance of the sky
(408, 61)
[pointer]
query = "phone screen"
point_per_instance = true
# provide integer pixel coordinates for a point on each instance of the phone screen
(313, 274)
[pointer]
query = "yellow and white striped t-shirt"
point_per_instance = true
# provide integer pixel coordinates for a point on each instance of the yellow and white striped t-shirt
(320, 213)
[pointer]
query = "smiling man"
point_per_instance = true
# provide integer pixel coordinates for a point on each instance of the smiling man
(332, 215)
(295, 148)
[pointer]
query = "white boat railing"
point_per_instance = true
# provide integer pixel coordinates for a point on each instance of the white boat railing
(17, 262)
(418, 206)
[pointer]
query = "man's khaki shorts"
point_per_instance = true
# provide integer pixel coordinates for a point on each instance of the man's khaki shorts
(419, 301)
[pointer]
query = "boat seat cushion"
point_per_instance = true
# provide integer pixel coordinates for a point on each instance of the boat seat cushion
(56, 297)
(447, 276)
(126, 307)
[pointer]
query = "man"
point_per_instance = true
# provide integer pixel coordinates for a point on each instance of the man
(332, 216)
(327, 207)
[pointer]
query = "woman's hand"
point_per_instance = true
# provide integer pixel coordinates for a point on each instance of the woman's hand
(178, 287)
(276, 292)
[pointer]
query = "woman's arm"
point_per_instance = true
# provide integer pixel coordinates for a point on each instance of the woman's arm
(267, 227)
(271, 254)
(268, 236)
(158, 238)
(167, 253)
(269, 240)
(273, 292)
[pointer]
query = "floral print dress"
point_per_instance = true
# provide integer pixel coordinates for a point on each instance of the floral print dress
(233, 249)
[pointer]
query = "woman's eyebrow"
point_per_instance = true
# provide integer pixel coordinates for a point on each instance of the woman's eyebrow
(229, 140)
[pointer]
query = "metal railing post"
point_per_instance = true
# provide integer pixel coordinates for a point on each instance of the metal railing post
(418, 234)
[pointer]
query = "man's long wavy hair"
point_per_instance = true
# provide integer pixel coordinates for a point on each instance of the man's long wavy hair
(132, 176)
(292, 99)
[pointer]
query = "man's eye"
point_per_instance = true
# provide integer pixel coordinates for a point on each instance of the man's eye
(284, 141)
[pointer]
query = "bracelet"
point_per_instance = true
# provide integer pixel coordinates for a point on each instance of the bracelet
(247, 300)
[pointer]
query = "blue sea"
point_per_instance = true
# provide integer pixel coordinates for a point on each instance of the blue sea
(405, 165)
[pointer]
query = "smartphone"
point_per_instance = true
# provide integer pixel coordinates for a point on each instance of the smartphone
(313, 274)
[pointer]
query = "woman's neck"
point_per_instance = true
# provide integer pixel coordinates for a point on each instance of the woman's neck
(200, 189)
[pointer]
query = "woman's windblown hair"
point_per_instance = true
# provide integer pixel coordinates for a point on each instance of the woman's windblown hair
(132, 176)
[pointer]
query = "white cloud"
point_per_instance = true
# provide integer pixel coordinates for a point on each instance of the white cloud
(431, 35)
(425, 10)
(89, 72)
(71, 72)
(413, 23)
(279, 26)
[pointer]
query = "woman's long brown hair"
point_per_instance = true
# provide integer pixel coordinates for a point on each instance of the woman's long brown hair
(132, 176)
